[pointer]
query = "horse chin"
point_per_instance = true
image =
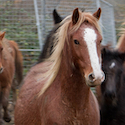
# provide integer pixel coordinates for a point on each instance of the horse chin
(93, 84)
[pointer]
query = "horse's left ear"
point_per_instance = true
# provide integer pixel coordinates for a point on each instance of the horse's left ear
(75, 16)
(56, 17)
(2, 35)
(97, 14)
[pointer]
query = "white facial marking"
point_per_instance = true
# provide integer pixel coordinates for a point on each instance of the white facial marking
(112, 65)
(90, 38)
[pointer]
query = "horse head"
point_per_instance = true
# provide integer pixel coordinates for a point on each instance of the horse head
(86, 39)
(112, 65)
(78, 39)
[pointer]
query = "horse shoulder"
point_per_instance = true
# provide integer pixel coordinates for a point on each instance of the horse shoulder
(27, 104)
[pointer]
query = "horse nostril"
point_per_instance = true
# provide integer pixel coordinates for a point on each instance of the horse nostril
(91, 77)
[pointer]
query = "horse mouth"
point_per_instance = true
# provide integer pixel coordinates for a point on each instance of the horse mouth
(93, 84)
(110, 98)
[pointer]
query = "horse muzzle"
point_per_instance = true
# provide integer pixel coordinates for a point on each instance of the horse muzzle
(93, 80)
(110, 98)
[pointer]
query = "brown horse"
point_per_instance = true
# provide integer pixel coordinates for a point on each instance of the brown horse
(10, 63)
(111, 93)
(57, 90)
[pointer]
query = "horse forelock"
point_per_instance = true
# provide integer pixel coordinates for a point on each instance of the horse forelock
(60, 37)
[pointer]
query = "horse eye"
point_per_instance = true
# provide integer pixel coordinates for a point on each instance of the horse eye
(76, 41)
(1, 49)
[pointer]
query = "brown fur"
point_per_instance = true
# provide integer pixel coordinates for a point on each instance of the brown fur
(11, 63)
(55, 91)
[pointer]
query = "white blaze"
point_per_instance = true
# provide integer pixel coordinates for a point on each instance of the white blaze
(112, 65)
(90, 38)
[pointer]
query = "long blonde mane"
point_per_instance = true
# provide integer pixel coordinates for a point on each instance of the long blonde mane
(121, 42)
(61, 36)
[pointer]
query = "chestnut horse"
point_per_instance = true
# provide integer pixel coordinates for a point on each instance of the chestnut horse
(111, 93)
(10, 64)
(57, 90)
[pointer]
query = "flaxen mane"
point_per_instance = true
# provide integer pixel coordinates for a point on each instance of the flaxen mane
(121, 42)
(60, 37)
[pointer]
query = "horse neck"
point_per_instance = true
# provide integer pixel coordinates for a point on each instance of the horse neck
(73, 87)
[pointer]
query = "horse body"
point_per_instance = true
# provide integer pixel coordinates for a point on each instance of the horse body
(111, 93)
(61, 104)
(66, 99)
(8, 60)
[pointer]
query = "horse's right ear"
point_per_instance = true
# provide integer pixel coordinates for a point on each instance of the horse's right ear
(2, 35)
(75, 16)
(56, 17)
(97, 14)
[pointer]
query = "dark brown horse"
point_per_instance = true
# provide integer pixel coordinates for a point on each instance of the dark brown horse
(111, 93)
(10, 63)
(49, 43)
(57, 90)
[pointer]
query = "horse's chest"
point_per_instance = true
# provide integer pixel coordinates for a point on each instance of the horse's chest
(65, 116)
(69, 120)
(60, 112)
